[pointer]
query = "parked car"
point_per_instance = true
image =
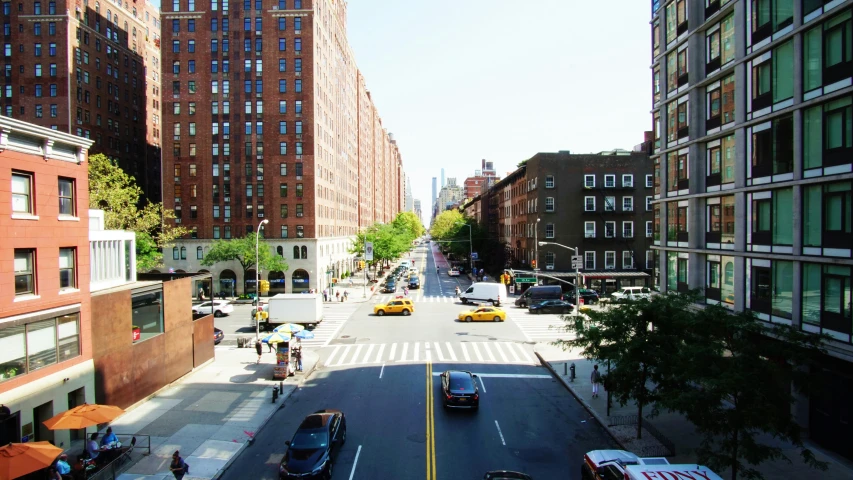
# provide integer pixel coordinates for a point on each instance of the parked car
(460, 390)
(551, 306)
(390, 286)
(538, 294)
(506, 475)
(402, 306)
(589, 297)
(631, 293)
(453, 272)
(489, 314)
(217, 307)
(494, 293)
(218, 335)
(414, 283)
(314, 447)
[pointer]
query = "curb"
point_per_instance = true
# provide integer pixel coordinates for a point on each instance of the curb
(263, 424)
(601, 420)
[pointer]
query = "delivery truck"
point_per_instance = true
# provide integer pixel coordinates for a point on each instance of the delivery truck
(300, 308)
(621, 464)
(670, 472)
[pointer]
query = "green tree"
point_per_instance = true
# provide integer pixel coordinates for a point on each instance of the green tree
(638, 341)
(410, 223)
(738, 377)
(243, 251)
(445, 224)
(117, 194)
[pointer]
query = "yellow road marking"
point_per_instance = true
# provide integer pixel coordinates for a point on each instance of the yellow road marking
(430, 425)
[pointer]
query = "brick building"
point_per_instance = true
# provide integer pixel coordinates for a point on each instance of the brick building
(285, 130)
(482, 180)
(89, 68)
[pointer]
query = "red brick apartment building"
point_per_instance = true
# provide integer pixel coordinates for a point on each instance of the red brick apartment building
(90, 68)
(269, 119)
(45, 343)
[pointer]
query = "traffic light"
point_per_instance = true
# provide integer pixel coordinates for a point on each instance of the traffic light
(265, 286)
(361, 264)
(533, 263)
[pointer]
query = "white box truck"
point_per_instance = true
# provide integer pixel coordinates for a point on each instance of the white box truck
(670, 472)
(300, 308)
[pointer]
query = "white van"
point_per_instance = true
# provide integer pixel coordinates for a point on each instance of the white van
(494, 293)
(631, 293)
(406, 263)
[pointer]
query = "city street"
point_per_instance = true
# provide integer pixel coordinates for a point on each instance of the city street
(382, 372)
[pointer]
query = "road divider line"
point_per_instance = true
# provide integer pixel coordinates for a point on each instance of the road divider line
(450, 351)
(332, 356)
(477, 351)
(366, 358)
(355, 462)
(381, 371)
(511, 348)
(465, 352)
(430, 426)
(483, 384)
(403, 353)
(379, 353)
(500, 433)
(355, 355)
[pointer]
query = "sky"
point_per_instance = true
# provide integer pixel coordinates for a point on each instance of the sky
(501, 80)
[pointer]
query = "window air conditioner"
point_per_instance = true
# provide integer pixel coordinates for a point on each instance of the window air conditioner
(226, 137)
(227, 199)
(549, 267)
(300, 214)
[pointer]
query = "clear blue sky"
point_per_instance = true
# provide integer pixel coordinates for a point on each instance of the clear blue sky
(459, 81)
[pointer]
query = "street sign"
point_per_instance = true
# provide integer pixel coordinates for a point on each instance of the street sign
(525, 280)
(576, 266)
(368, 251)
(576, 258)
(474, 256)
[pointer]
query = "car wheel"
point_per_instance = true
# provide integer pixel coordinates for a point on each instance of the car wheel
(380, 312)
(497, 319)
(464, 301)
(468, 318)
(217, 313)
(406, 312)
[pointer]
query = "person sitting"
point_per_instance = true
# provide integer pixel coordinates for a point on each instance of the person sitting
(109, 438)
(63, 468)
(92, 448)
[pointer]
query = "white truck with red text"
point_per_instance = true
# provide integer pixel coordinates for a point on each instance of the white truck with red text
(300, 308)
(670, 472)
(624, 465)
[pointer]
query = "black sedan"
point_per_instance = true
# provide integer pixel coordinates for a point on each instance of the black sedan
(414, 283)
(390, 286)
(314, 446)
(551, 306)
(589, 296)
(506, 475)
(218, 335)
(460, 389)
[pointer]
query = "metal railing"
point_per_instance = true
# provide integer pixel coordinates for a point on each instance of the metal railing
(137, 446)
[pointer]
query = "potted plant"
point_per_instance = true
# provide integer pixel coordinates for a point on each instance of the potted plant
(137, 333)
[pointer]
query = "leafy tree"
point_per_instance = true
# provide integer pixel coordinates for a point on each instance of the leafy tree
(243, 251)
(445, 224)
(638, 340)
(117, 194)
(410, 223)
(738, 375)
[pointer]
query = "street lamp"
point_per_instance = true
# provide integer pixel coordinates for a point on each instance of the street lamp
(470, 247)
(258, 279)
(577, 274)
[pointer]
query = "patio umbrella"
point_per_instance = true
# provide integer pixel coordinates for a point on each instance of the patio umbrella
(289, 327)
(304, 334)
(83, 416)
(19, 459)
(277, 337)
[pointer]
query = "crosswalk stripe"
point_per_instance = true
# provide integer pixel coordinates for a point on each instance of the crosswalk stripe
(332, 356)
(527, 358)
(355, 356)
(403, 353)
(450, 351)
(379, 354)
(438, 352)
(417, 346)
(512, 351)
(373, 353)
(488, 350)
(367, 354)
(477, 351)
(501, 351)
(343, 355)
(393, 351)
(465, 352)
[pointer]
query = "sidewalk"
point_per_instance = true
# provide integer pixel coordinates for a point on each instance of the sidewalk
(210, 415)
(673, 426)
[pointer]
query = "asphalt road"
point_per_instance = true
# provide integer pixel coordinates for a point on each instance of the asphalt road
(397, 427)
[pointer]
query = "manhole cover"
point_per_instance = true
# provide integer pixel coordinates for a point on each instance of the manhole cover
(492, 338)
(344, 336)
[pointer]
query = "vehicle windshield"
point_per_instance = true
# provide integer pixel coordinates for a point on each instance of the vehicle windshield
(460, 383)
(310, 439)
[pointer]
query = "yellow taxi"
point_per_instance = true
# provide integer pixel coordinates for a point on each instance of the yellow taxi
(489, 314)
(402, 305)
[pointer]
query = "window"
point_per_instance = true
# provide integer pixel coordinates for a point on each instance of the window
(773, 77)
(147, 313)
(549, 181)
(720, 44)
(827, 216)
(720, 280)
(677, 119)
(66, 196)
(772, 148)
(609, 181)
(771, 288)
(183, 253)
(649, 229)
(771, 219)
(721, 103)
(22, 201)
(676, 213)
(589, 260)
(589, 204)
(721, 162)
(589, 181)
(676, 275)
(650, 181)
(628, 204)
(609, 260)
(827, 298)
(656, 84)
(609, 204)
(627, 181)
(770, 16)
(67, 267)
(609, 229)
(549, 230)
(300, 231)
(283, 211)
(627, 259)
(676, 169)
(649, 205)
(25, 283)
(39, 344)
(721, 221)
(828, 135)
(284, 231)
(589, 229)
(549, 204)
(676, 67)
(300, 210)
(628, 229)
(827, 58)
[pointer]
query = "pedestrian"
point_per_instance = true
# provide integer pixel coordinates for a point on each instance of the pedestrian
(595, 378)
(272, 346)
(350, 282)
(338, 295)
(325, 294)
(200, 294)
(259, 349)
(179, 467)
(346, 295)
(297, 354)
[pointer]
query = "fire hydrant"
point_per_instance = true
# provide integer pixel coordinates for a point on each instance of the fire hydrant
(572, 369)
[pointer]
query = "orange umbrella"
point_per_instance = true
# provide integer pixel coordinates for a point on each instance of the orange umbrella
(83, 416)
(19, 459)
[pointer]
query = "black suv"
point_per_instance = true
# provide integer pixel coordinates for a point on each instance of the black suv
(314, 446)
(589, 296)
(460, 389)
(390, 286)
(414, 283)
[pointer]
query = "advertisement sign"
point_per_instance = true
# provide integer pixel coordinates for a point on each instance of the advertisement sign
(368, 251)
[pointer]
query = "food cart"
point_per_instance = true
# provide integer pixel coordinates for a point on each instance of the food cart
(283, 365)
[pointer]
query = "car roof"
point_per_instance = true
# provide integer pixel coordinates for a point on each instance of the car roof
(459, 373)
(318, 419)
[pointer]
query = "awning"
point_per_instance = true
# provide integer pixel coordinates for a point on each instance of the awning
(612, 274)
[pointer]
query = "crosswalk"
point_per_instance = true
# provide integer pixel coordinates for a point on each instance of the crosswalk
(420, 352)
(334, 317)
(416, 296)
(539, 328)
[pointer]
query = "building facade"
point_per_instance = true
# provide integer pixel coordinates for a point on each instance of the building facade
(285, 131)
(483, 179)
(46, 362)
(89, 68)
(754, 161)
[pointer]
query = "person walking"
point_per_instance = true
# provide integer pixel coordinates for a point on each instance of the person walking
(178, 467)
(346, 295)
(297, 354)
(259, 349)
(325, 294)
(595, 378)
(272, 346)
(338, 295)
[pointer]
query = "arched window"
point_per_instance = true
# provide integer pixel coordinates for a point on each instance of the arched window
(280, 251)
(97, 7)
(183, 253)
(176, 255)
(134, 13)
(199, 253)
(304, 252)
(296, 253)
(109, 14)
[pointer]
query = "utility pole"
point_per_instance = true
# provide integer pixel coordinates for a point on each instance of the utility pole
(536, 247)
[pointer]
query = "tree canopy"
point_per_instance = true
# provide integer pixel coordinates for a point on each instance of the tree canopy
(115, 192)
(243, 251)
(390, 240)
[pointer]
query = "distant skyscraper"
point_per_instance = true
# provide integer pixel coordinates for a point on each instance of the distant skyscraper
(434, 191)
(442, 178)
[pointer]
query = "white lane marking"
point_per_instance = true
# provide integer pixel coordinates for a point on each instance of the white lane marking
(438, 352)
(415, 356)
(355, 355)
(404, 352)
(505, 375)
(379, 353)
(366, 358)
(488, 350)
(509, 347)
(527, 357)
(501, 351)
(393, 352)
(483, 384)
(465, 352)
(343, 355)
(355, 462)
(450, 351)
(382, 370)
(334, 352)
(477, 351)
(499, 433)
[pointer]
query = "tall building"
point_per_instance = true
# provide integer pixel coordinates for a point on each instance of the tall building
(753, 151)
(482, 180)
(417, 209)
(434, 198)
(410, 201)
(449, 195)
(442, 179)
(91, 69)
(303, 146)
